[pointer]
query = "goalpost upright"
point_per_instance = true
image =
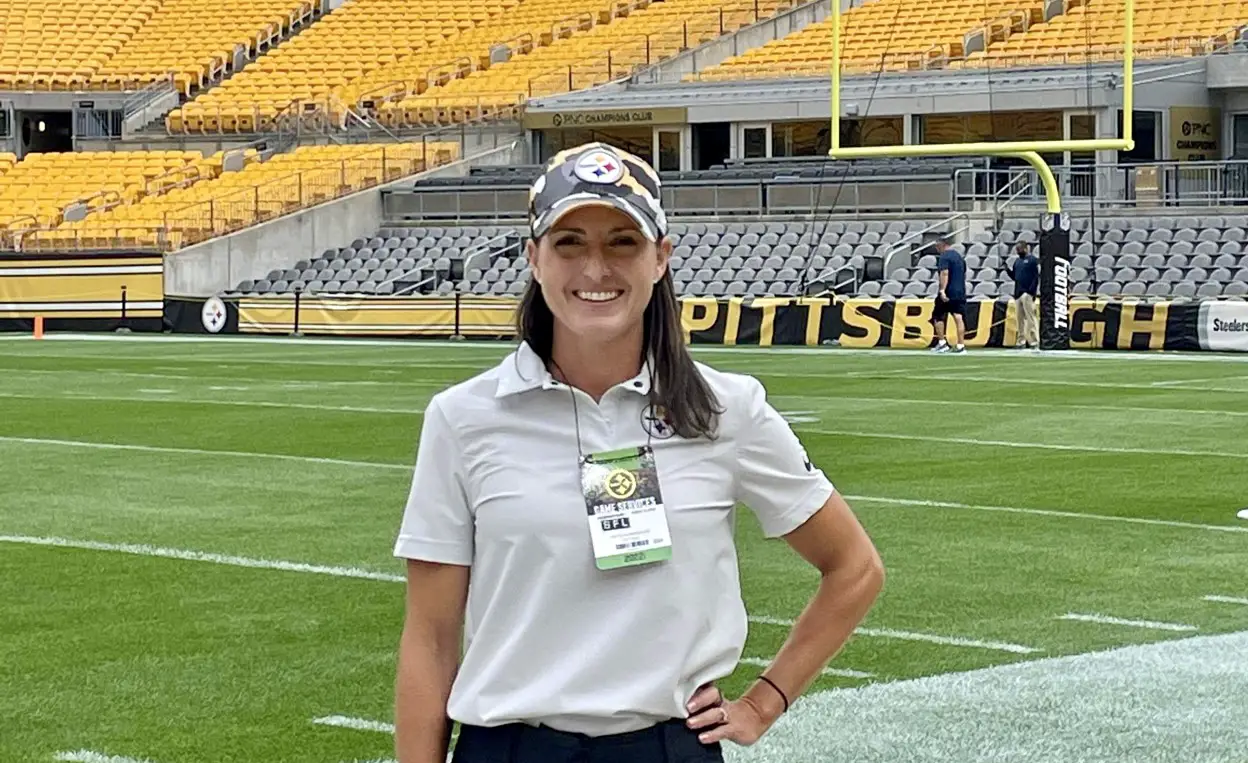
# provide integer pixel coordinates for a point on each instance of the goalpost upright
(1055, 224)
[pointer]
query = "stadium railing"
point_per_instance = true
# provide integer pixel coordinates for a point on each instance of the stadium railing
(1196, 184)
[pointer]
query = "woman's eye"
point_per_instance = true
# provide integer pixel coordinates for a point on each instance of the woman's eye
(624, 241)
(566, 241)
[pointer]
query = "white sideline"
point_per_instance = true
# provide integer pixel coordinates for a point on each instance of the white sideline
(406, 468)
(1227, 599)
(763, 662)
(1047, 513)
(139, 549)
(355, 572)
(998, 646)
(87, 756)
(1101, 355)
(1027, 445)
(1107, 620)
(356, 724)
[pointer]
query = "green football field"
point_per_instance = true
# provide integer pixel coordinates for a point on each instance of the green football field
(196, 536)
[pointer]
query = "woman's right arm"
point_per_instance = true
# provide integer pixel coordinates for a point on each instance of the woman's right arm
(429, 652)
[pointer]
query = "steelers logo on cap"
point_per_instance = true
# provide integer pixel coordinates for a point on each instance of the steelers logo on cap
(599, 166)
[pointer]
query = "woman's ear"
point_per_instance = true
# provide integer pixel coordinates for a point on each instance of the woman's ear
(530, 253)
(664, 256)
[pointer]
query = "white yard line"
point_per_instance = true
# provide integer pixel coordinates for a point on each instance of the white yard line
(997, 646)
(1020, 381)
(407, 468)
(226, 403)
(88, 756)
(1046, 513)
(199, 452)
(1107, 620)
(1026, 445)
(763, 662)
(142, 549)
(356, 724)
(1227, 599)
(355, 572)
(818, 400)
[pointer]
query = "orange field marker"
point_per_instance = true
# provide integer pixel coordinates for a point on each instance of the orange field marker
(38, 327)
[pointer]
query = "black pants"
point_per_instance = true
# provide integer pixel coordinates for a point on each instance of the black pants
(669, 742)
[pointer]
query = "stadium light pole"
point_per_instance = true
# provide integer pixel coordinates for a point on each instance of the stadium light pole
(1055, 225)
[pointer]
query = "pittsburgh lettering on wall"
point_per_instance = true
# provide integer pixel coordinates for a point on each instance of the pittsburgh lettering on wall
(854, 322)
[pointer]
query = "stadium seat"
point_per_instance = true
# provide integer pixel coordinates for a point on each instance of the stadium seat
(60, 46)
(591, 54)
(195, 42)
(1094, 32)
(312, 69)
(36, 191)
(219, 202)
(892, 35)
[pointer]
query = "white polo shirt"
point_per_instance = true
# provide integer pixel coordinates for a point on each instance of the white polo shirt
(550, 638)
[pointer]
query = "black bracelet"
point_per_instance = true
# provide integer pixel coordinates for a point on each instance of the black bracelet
(772, 684)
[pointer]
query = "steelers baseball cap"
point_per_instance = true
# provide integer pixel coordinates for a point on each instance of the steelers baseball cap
(596, 174)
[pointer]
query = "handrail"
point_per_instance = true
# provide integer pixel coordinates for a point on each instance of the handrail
(906, 242)
(584, 20)
(409, 287)
(390, 91)
(462, 65)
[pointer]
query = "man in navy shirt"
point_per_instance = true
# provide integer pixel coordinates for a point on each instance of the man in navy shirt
(952, 296)
(1026, 275)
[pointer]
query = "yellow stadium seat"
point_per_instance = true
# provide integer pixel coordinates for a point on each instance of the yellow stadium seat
(896, 35)
(169, 199)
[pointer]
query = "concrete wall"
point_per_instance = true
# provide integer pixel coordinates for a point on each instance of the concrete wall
(754, 36)
(214, 266)
(1227, 71)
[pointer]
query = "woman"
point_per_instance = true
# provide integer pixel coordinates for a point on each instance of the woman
(572, 508)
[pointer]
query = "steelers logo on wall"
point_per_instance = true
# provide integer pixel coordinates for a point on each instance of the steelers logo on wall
(213, 315)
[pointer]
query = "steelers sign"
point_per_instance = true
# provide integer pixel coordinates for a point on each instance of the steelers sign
(213, 315)
(621, 484)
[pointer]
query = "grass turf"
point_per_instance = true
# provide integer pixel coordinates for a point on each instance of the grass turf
(176, 660)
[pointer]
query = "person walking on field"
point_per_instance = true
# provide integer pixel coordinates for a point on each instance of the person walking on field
(573, 590)
(952, 296)
(1026, 275)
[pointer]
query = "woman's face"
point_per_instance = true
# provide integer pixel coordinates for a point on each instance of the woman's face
(597, 271)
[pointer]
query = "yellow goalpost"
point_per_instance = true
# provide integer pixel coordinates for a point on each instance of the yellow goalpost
(1055, 226)
(1026, 150)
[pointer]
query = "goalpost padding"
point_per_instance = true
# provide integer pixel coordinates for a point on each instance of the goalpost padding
(1055, 281)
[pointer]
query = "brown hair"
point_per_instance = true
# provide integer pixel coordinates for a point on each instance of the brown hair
(687, 400)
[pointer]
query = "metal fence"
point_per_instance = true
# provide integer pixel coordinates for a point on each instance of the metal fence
(1159, 184)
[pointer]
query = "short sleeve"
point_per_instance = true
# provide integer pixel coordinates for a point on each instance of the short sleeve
(437, 523)
(942, 263)
(775, 478)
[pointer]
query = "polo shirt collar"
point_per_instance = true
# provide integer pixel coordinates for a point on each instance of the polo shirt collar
(523, 370)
